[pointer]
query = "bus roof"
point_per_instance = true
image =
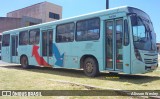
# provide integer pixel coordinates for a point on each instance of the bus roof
(72, 19)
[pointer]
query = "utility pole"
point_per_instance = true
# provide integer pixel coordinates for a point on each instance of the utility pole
(107, 4)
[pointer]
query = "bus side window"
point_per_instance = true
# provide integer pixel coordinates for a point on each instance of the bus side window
(23, 38)
(88, 29)
(6, 40)
(126, 33)
(34, 36)
(65, 32)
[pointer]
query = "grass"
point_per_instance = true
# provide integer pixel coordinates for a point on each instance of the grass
(16, 78)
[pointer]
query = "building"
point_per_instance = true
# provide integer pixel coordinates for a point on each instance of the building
(5, 23)
(45, 11)
(8, 23)
(31, 15)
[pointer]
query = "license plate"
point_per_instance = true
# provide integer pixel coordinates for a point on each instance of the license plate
(153, 67)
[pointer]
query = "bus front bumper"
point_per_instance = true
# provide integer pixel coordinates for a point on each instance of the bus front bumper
(139, 67)
(151, 68)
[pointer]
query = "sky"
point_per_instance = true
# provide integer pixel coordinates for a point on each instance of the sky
(77, 7)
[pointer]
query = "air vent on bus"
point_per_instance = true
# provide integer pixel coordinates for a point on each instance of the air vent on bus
(150, 61)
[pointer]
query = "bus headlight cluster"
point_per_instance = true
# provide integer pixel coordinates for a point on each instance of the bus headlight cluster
(138, 55)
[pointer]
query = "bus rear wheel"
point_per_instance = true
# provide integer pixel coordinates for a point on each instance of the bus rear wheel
(91, 67)
(24, 62)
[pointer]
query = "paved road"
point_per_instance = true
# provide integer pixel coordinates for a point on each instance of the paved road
(2, 63)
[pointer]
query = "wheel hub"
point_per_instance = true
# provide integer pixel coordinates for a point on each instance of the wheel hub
(24, 61)
(89, 67)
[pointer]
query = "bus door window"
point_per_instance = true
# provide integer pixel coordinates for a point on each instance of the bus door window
(14, 45)
(6, 40)
(47, 44)
(23, 38)
(50, 42)
(119, 39)
(109, 44)
(34, 36)
(44, 43)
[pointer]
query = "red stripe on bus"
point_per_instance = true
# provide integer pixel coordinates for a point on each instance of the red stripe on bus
(40, 60)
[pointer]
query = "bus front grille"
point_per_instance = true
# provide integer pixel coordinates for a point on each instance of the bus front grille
(150, 61)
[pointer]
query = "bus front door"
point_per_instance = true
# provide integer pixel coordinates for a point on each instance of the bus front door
(14, 46)
(47, 47)
(114, 38)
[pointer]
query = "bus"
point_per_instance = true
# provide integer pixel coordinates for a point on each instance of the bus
(116, 40)
(0, 44)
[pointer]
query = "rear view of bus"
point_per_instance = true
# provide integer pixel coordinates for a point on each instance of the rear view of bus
(144, 56)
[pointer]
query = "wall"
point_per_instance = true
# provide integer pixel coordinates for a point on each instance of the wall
(9, 23)
(39, 11)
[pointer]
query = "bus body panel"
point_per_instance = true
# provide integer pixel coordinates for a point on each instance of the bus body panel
(23, 50)
(149, 62)
(127, 53)
(33, 54)
(6, 54)
(74, 51)
(6, 51)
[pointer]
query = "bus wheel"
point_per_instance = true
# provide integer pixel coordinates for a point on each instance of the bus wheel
(24, 62)
(91, 67)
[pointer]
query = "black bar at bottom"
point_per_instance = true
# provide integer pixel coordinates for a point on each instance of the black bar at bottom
(79, 92)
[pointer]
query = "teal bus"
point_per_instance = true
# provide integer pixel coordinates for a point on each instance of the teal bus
(118, 40)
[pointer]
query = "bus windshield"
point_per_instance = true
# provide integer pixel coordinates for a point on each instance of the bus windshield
(143, 33)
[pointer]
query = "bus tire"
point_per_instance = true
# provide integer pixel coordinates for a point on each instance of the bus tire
(24, 62)
(91, 67)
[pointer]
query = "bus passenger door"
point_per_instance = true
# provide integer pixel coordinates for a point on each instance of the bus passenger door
(47, 47)
(114, 45)
(14, 46)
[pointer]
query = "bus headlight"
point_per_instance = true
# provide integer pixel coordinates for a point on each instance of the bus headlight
(138, 55)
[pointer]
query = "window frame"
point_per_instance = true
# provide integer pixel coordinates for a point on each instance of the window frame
(126, 33)
(27, 37)
(54, 16)
(36, 32)
(42, 39)
(57, 32)
(87, 27)
(3, 41)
